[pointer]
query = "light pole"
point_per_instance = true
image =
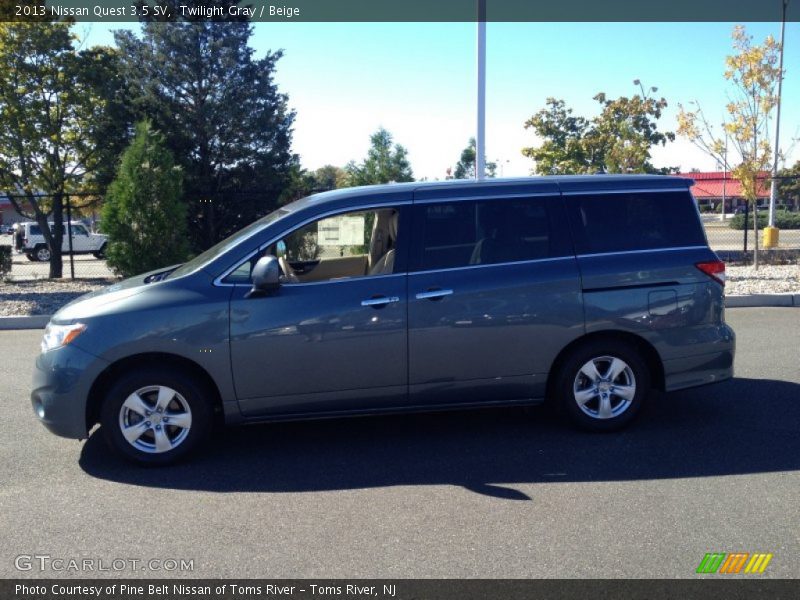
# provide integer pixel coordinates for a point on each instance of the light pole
(480, 138)
(771, 234)
(641, 87)
(724, 175)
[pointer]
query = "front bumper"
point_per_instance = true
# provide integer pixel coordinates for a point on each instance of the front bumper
(61, 383)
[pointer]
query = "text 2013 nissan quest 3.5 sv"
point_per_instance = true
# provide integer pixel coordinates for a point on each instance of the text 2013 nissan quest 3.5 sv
(588, 291)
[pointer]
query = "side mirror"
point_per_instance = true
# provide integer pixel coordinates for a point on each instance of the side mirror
(266, 277)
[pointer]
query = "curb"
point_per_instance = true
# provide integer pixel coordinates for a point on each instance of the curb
(751, 301)
(25, 322)
(762, 300)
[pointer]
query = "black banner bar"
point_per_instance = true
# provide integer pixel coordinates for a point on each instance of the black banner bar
(399, 10)
(731, 588)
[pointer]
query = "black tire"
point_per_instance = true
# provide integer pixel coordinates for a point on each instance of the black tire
(189, 391)
(100, 253)
(616, 410)
(30, 257)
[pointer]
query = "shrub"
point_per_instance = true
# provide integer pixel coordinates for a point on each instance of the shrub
(143, 216)
(783, 220)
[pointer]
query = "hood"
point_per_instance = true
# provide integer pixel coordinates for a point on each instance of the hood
(99, 300)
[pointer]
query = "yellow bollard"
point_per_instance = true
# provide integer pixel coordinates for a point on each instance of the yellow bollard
(771, 237)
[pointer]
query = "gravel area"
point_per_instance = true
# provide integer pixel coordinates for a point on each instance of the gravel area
(768, 279)
(43, 296)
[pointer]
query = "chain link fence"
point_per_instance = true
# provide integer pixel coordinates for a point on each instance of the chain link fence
(730, 232)
(76, 266)
(83, 245)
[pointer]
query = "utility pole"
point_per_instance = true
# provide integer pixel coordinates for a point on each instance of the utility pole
(769, 240)
(480, 138)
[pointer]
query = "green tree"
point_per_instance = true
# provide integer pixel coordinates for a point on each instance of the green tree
(143, 214)
(54, 126)
(562, 150)
(753, 72)
(618, 140)
(329, 177)
(222, 115)
(622, 136)
(386, 162)
(465, 167)
(789, 185)
(302, 182)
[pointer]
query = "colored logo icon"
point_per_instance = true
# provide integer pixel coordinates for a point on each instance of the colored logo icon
(734, 562)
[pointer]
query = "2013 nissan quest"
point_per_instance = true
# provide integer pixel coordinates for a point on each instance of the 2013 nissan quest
(587, 290)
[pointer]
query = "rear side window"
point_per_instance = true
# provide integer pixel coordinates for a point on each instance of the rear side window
(635, 221)
(461, 234)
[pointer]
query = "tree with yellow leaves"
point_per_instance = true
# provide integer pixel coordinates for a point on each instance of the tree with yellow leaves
(753, 72)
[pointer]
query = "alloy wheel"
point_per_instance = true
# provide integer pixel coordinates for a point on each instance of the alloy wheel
(604, 387)
(155, 419)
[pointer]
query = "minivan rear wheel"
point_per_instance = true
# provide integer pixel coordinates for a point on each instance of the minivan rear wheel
(603, 384)
(154, 417)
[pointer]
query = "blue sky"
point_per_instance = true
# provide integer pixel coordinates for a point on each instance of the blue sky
(418, 80)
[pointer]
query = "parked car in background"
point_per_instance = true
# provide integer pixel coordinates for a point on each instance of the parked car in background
(7, 229)
(83, 241)
(587, 291)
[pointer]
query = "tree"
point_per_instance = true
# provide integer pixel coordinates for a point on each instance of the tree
(754, 75)
(329, 177)
(53, 123)
(143, 214)
(303, 183)
(789, 185)
(562, 150)
(465, 167)
(618, 140)
(386, 162)
(623, 134)
(222, 116)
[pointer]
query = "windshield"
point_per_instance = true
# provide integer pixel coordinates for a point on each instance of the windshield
(220, 248)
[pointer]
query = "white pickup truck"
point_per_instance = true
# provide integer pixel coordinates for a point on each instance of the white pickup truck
(83, 241)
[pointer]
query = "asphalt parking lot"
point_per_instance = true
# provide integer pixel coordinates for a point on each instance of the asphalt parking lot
(492, 493)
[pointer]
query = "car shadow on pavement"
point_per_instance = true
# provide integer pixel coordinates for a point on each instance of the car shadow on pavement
(736, 427)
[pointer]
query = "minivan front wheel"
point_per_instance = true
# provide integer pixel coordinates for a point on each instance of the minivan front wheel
(155, 416)
(603, 384)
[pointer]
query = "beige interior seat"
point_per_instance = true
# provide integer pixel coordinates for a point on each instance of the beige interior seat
(385, 264)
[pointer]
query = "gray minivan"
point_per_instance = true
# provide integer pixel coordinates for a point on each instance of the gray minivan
(587, 290)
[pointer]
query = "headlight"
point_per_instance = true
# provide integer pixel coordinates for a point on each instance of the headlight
(56, 336)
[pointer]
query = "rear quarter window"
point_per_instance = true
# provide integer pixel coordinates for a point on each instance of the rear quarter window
(634, 221)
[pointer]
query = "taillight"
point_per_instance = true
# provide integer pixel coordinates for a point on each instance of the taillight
(714, 269)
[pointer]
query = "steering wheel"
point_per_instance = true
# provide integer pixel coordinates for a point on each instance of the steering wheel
(288, 272)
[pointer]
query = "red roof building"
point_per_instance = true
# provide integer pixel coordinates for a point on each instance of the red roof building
(709, 187)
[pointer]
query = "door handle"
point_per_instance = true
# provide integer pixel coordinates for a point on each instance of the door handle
(433, 294)
(380, 301)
